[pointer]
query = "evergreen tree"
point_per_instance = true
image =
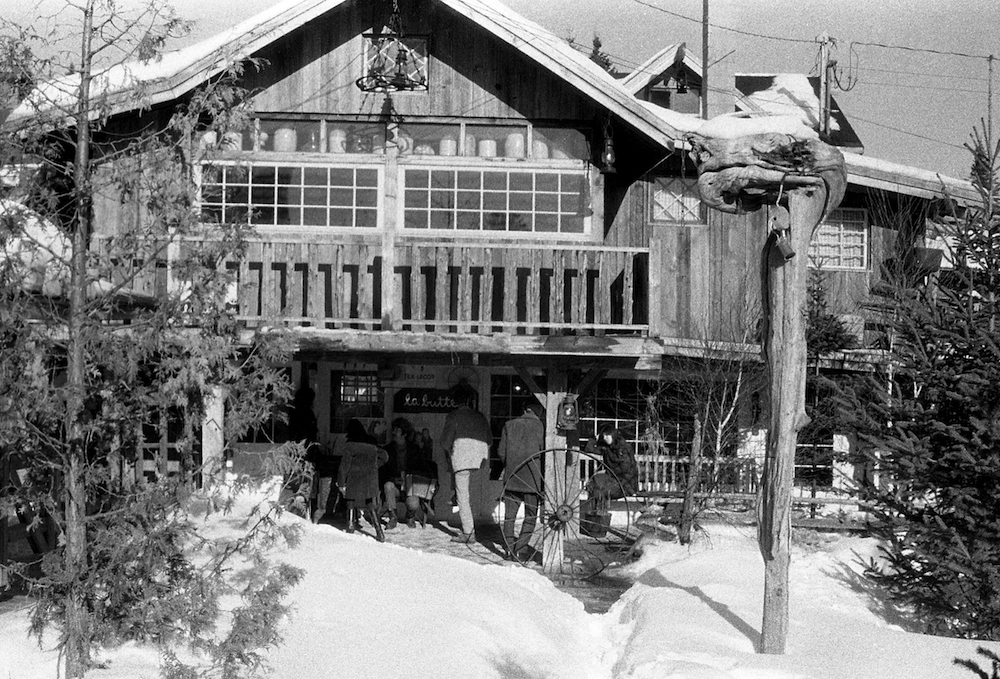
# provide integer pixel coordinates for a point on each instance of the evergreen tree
(111, 338)
(931, 430)
(600, 57)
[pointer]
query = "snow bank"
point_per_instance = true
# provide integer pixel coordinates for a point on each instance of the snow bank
(374, 610)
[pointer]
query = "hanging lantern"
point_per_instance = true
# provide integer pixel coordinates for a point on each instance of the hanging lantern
(608, 154)
(568, 415)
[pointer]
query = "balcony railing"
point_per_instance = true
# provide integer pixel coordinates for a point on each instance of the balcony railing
(444, 287)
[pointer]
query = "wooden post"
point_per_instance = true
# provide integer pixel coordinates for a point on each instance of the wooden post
(784, 288)
(552, 548)
(212, 439)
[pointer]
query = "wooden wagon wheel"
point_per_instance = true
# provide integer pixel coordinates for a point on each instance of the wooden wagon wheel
(583, 535)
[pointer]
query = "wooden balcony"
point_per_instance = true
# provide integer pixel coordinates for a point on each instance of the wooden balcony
(433, 286)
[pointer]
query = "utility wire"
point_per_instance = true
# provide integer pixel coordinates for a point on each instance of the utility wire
(906, 132)
(924, 49)
(723, 28)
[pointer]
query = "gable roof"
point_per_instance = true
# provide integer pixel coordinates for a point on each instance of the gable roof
(650, 70)
(180, 71)
(795, 94)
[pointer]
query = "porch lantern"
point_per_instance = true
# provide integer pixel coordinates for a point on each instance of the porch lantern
(395, 67)
(608, 154)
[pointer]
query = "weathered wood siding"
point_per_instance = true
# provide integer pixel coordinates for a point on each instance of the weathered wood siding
(472, 74)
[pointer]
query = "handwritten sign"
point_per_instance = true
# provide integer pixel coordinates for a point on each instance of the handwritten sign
(418, 400)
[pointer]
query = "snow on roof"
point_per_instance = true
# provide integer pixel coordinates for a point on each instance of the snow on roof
(178, 72)
(732, 125)
(793, 94)
(861, 170)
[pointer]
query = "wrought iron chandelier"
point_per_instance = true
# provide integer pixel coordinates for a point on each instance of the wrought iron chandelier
(394, 66)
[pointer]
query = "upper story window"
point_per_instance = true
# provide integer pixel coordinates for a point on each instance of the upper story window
(280, 194)
(841, 241)
(676, 199)
(496, 200)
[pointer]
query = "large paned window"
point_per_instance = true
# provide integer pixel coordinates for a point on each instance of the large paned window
(292, 195)
(841, 241)
(496, 200)
(676, 199)
(353, 395)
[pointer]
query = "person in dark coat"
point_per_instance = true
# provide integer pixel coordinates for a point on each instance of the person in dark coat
(357, 477)
(298, 487)
(619, 459)
(520, 441)
(391, 474)
(420, 481)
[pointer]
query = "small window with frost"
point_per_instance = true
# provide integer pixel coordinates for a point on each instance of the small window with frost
(841, 241)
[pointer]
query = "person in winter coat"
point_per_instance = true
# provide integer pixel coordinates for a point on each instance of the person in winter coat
(465, 440)
(623, 478)
(520, 440)
(299, 488)
(357, 477)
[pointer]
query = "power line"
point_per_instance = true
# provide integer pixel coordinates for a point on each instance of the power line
(923, 74)
(907, 132)
(724, 28)
(921, 87)
(924, 49)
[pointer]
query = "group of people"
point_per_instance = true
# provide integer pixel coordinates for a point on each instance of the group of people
(372, 475)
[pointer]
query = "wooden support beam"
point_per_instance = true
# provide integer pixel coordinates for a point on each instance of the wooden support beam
(590, 380)
(529, 380)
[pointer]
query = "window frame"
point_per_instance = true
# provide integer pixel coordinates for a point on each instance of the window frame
(578, 168)
(839, 219)
(349, 164)
(656, 182)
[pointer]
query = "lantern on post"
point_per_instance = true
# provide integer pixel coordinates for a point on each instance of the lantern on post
(569, 415)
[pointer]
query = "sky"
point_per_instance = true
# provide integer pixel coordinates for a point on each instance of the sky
(421, 607)
(910, 106)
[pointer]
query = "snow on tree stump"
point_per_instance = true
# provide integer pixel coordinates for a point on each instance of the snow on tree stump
(798, 179)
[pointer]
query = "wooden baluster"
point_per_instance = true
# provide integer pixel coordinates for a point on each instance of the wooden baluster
(534, 290)
(366, 284)
(582, 269)
(508, 257)
(442, 287)
(602, 291)
(628, 294)
(464, 290)
(296, 283)
(559, 288)
(315, 288)
(419, 289)
(486, 294)
(340, 287)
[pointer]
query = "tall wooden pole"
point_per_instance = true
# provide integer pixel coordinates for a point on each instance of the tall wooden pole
(784, 287)
(704, 60)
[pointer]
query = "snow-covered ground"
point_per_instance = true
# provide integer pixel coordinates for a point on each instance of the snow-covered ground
(418, 606)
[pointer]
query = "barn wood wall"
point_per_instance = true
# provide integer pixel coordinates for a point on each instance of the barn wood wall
(471, 73)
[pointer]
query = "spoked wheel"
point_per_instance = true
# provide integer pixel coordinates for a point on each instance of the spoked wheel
(577, 533)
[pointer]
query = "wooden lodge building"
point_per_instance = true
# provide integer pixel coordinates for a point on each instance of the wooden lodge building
(495, 209)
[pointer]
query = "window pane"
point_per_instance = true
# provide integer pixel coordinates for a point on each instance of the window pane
(441, 220)
(341, 217)
(487, 199)
(314, 217)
